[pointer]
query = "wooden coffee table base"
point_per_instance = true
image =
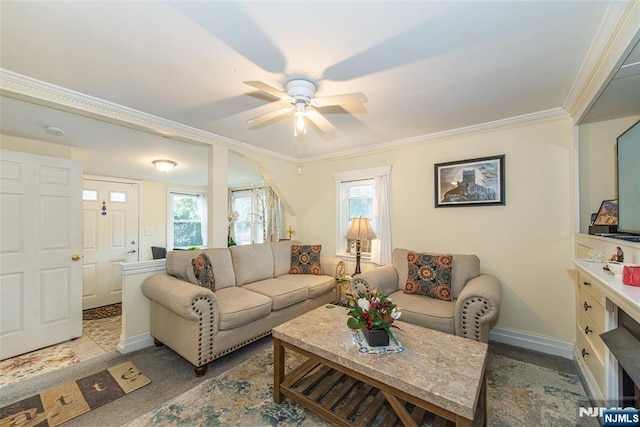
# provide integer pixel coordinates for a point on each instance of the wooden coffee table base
(348, 398)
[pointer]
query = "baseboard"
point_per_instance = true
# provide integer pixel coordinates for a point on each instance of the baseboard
(532, 342)
(136, 342)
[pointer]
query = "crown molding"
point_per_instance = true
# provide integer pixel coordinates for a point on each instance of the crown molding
(28, 89)
(607, 52)
(25, 88)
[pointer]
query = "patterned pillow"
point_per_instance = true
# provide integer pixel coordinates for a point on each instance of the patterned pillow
(202, 272)
(305, 259)
(429, 275)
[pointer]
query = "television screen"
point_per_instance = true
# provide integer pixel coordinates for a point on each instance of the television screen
(629, 180)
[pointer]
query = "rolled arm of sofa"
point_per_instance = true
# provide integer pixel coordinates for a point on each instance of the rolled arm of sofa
(332, 266)
(178, 296)
(384, 279)
(477, 306)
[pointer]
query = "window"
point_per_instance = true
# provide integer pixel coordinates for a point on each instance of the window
(187, 220)
(364, 193)
(258, 217)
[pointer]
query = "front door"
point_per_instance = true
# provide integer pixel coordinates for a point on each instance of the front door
(40, 252)
(110, 237)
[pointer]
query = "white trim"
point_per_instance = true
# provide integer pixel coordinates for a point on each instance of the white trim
(136, 342)
(533, 342)
(151, 266)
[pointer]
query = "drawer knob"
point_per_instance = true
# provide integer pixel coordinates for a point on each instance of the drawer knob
(586, 306)
(584, 352)
(587, 330)
(586, 283)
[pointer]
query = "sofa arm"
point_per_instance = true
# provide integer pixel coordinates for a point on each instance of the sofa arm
(177, 296)
(384, 279)
(332, 266)
(477, 306)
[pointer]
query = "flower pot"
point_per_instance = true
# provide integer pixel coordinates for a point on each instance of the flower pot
(376, 337)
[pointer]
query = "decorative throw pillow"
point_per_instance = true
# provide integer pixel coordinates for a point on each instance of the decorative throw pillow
(305, 259)
(429, 275)
(202, 272)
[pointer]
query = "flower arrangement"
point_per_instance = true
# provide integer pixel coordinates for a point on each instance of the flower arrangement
(372, 310)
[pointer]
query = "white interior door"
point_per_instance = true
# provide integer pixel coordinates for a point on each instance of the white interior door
(110, 237)
(40, 252)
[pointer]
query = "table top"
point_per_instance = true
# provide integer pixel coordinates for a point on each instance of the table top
(443, 369)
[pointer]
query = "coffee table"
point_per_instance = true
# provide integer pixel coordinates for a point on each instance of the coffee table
(440, 377)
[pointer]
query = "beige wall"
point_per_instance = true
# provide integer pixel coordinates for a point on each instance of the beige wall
(597, 151)
(526, 243)
(31, 146)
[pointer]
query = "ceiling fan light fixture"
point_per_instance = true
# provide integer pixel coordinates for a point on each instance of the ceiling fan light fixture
(164, 166)
(300, 125)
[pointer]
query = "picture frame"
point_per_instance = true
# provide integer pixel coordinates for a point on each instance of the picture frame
(472, 182)
(608, 213)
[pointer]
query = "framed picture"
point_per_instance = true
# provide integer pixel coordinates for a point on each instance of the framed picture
(473, 182)
(608, 213)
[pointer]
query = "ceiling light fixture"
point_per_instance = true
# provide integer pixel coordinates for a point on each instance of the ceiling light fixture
(54, 130)
(301, 112)
(164, 166)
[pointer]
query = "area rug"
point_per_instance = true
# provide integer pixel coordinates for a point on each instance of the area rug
(518, 394)
(37, 362)
(104, 332)
(102, 312)
(60, 404)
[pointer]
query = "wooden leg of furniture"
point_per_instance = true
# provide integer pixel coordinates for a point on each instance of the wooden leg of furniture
(399, 409)
(157, 343)
(200, 370)
(278, 370)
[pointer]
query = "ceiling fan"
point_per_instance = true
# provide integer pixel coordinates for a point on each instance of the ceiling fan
(301, 94)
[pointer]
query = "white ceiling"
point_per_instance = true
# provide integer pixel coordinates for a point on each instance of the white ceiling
(427, 67)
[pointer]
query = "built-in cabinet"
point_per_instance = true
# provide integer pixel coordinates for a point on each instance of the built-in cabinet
(599, 297)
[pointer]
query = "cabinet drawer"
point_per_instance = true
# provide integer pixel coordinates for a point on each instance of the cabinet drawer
(594, 310)
(585, 284)
(589, 356)
(590, 330)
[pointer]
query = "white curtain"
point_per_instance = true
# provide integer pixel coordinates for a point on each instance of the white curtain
(202, 211)
(381, 247)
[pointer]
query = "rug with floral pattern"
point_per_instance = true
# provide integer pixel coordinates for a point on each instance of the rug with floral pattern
(518, 394)
(37, 362)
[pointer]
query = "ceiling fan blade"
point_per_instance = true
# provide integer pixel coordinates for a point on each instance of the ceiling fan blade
(349, 98)
(319, 120)
(268, 116)
(267, 88)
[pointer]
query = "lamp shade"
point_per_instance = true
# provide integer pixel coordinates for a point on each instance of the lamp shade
(360, 229)
(164, 165)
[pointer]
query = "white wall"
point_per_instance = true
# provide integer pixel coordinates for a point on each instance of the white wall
(597, 151)
(526, 243)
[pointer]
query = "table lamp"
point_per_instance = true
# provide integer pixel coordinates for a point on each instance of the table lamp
(359, 229)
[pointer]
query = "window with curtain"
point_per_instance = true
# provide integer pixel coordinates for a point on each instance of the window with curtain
(259, 217)
(187, 220)
(364, 193)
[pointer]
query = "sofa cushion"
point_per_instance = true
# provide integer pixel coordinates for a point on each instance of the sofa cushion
(238, 306)
(252, 263)
(318, 285)
(429, 275)
(201, 272)
(282, 293)
(305, 259)
(463, 269)
(282, 257)
(427, 312)
(179, 263)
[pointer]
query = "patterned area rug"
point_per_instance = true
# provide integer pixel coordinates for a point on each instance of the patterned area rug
(60, 404)
(35, 363)
(518, 394)
(102, 312)
(105, 332)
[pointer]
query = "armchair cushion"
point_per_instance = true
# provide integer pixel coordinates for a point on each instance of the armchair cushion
(429, 275)
(305, 259)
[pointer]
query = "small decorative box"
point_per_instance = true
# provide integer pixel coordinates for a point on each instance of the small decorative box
(631, 275)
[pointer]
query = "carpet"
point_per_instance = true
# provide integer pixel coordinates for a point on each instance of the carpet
(62, 403)
(102, 312)
(518, 394)
(37, 362)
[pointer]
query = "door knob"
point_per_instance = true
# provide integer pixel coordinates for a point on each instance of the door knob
(132, 251)
(75, 257)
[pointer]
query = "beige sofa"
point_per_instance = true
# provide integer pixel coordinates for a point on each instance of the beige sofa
(475, 296)
(254, 291)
